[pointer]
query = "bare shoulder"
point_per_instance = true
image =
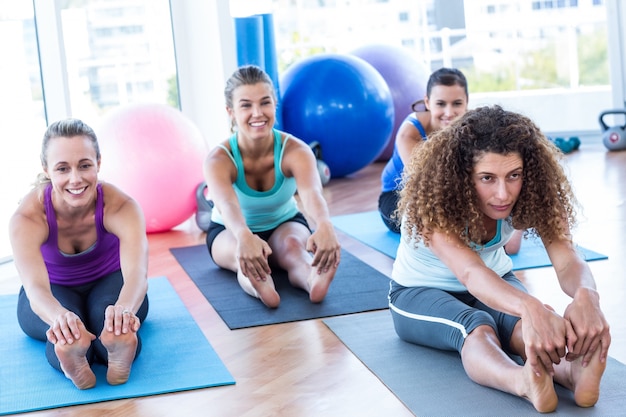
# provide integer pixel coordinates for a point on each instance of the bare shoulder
(32, 203)
(294, 143)
(123, 216)
(115, 199)
(219, 164)
(219, 154)
(297, 156)
(30, 214)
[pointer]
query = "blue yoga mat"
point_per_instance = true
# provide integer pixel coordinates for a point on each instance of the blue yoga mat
(368, 228)
(433, 383)
(175, 356)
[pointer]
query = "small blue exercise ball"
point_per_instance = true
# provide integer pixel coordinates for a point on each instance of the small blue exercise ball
(341, 102)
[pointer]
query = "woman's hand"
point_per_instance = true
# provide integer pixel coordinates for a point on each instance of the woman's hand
(120, 320)
(325, 248)
(65, 329)
(545, 335)
(589, 325)
(252, 255)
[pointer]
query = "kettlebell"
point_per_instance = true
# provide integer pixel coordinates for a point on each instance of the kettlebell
(322, 167)
(614, 137)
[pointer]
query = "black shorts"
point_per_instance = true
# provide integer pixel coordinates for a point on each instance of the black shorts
(216, 228)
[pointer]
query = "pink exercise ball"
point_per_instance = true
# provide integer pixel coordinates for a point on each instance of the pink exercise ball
(405, 76)
(154, 153)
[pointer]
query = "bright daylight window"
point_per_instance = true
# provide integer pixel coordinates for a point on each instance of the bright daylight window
(115, 53)
(500, 45)
(21, 109)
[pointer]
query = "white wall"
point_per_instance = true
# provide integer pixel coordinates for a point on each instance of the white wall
(206, 55)
(616, 22)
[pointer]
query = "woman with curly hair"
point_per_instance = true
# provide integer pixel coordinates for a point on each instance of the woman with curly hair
(464, 193)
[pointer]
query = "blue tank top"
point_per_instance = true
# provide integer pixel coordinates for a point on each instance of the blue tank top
(101, 259)
(263, 210)
(392, 173)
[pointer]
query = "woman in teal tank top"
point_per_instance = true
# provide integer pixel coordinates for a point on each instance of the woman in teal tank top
(252, 178)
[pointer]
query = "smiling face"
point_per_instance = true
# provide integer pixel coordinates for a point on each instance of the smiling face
(498, 182)
(72, 166)
(446, 103)
(254, 110)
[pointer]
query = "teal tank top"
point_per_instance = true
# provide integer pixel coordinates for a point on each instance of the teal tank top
(263, 210)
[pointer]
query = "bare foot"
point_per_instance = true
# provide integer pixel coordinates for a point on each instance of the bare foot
(319, 284)
(74, 361)
(263, 290)
(584, 382)
(121, 350)
(539, 390)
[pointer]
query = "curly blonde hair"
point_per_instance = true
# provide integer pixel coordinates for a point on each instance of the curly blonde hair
(438, 192)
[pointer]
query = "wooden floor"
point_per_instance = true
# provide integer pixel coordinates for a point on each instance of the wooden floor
(302, 369)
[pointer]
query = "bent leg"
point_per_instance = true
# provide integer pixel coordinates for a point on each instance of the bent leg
(223, 251)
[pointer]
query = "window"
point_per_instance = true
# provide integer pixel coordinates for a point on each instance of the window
(115, 53)
(21, 109)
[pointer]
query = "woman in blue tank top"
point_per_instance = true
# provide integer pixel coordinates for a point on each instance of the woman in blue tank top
(252, 178)
(81, 251)
(446, 99)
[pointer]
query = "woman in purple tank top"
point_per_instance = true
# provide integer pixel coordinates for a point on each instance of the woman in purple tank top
(81, 251)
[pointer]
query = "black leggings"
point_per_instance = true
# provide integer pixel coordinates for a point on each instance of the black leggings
(86, 301)
(387, 204)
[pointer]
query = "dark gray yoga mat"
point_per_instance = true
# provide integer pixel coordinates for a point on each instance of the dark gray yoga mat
(433, 383)
(357, 287)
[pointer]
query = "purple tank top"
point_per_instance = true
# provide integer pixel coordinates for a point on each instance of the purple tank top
(96, 262)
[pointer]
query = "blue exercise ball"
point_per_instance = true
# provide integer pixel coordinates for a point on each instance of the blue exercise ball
(406, 77)
(341, 102)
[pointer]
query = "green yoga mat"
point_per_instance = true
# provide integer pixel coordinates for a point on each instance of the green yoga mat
(368, 228)
(175, 356)
(433, 383)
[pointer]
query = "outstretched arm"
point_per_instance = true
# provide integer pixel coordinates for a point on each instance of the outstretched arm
(28, 230)
(124, 218)
(299, 161)
(591, 330)
(251, 252)
(544, 332)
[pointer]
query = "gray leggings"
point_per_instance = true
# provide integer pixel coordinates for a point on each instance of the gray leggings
(441, 319)
(88, 302)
